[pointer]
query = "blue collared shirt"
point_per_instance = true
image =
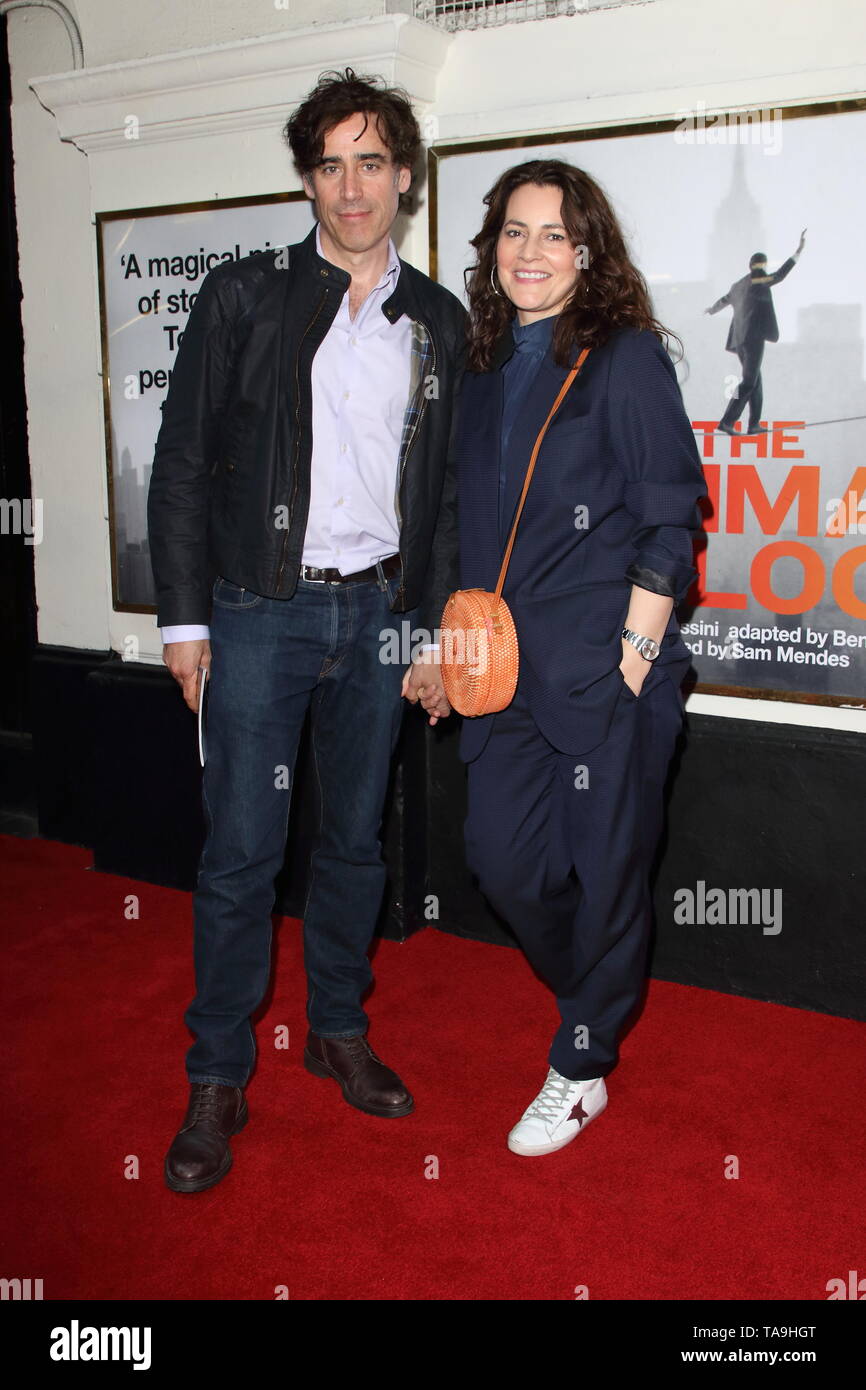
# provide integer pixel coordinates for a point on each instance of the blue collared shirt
(531, 344)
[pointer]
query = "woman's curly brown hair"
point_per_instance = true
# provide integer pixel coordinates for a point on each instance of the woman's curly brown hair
(339, 95)
(610, 292)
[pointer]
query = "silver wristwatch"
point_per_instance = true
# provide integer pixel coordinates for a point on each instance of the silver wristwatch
(648, 648)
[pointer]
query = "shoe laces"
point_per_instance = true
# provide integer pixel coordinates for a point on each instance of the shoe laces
(205, 1102)
(359, 1047)
(552, 1097)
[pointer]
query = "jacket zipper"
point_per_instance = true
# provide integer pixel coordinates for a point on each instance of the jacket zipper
(297, 438)
(411, 442)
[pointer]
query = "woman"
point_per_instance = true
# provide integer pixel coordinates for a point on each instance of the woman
(570, 776)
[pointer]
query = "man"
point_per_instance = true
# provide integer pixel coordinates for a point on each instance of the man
(752, 325)
(300, 509)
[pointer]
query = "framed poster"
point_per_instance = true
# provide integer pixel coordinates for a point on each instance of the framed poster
(779, 609)
(151, 264)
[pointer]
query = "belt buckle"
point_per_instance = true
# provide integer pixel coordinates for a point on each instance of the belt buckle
(308, 578)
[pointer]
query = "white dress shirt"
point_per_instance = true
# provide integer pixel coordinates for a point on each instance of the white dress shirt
(360, 386)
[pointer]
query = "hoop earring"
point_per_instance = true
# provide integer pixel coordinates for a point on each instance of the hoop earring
(492, 286)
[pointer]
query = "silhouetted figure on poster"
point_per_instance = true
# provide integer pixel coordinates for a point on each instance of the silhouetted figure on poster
(753, 324)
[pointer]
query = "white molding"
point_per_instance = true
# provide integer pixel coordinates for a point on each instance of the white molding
(240, 86)
(607, 109)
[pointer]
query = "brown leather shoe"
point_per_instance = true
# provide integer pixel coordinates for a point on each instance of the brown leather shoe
(366, 1082)
(199, 1155)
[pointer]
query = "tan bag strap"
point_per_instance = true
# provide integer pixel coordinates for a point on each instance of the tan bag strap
(553, 409)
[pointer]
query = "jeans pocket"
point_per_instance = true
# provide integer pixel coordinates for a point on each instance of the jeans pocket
(229, 595)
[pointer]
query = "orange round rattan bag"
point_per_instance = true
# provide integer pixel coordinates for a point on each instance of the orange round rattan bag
(478, 640)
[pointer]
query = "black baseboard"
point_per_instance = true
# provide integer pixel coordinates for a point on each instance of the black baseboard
(776, 807)
(18, 808)
(63, 735)
(114, 766)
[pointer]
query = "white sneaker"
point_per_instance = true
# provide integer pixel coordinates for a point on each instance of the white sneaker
(559, 1112)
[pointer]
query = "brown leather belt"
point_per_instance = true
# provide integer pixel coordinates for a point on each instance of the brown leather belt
(390, 565)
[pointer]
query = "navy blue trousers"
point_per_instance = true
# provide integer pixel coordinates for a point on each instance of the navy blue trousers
(562, 845)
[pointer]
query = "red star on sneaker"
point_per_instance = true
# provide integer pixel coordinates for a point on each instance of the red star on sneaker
(578, 1113)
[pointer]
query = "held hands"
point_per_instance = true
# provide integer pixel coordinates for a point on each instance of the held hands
(423, 682)
(183, 660)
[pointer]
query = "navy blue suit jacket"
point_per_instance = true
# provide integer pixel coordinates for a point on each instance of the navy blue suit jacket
(621, 448)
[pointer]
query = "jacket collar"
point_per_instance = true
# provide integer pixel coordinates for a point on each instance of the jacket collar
(398, 302)
(310, 260)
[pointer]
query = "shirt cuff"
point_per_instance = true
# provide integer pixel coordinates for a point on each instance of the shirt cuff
(185, 632)
(430, 647)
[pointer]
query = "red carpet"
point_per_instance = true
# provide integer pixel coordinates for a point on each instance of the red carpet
(334, 1204)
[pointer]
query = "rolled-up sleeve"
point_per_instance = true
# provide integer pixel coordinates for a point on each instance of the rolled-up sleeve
(655, 447)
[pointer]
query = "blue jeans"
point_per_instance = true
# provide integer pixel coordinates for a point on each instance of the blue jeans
(270, 658)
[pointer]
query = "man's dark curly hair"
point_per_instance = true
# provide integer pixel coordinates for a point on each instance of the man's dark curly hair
(338, 95)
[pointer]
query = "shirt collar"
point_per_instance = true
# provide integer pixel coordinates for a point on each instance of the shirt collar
(392, 270)
(535, 336)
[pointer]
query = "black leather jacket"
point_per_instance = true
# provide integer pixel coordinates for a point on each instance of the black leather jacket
(230, 487)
